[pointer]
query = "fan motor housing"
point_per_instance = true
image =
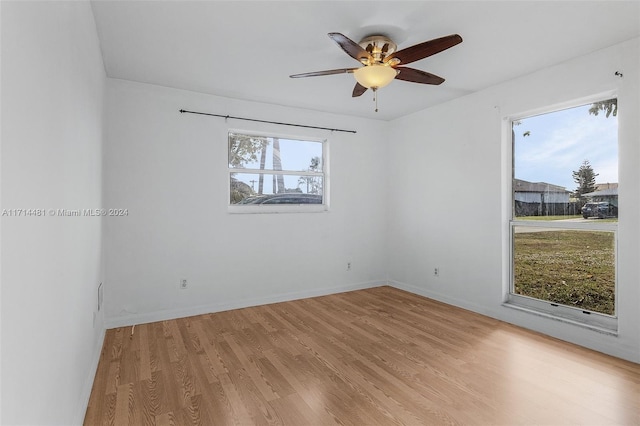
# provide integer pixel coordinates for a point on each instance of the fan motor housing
(378, 46)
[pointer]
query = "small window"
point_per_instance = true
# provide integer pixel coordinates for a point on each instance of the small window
(565, 213)
(280, 172)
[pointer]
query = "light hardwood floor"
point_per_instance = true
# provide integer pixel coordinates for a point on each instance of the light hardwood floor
(372, 357)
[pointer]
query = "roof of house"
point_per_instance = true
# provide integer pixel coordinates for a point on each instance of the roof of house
(604, 190)
(604, 193)
(603, 186)
(520, 185)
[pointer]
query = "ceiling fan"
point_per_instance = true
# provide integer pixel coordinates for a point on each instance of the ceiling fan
(383, 63)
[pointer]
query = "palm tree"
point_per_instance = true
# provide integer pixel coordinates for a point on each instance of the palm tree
(263, 158)
(278, 179)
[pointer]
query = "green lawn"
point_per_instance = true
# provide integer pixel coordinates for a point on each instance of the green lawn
(569, 267)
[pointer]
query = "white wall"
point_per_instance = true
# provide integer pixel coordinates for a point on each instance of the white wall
(170, 171)
(52, 113)
(458, 148)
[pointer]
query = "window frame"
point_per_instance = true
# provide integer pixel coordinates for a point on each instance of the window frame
(280, 208)
(601, 322)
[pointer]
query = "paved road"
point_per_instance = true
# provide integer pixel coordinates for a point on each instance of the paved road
(528, 229)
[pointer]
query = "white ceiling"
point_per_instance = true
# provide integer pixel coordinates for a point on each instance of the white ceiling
(248, 49)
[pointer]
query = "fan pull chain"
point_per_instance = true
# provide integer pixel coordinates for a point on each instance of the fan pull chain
(375, 98)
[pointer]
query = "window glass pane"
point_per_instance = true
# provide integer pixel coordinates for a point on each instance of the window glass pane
(568, 267)
(564, 160)
(565, 168)
(268, 153)
(257, 188)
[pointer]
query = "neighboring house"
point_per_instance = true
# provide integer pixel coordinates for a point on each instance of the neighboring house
(540, 198)
(604, 192)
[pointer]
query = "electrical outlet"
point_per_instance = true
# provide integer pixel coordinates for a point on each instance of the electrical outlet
(436, 272)
(348, 266)
(183, 284)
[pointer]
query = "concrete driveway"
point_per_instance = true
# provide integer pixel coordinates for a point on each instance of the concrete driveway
(525, 229)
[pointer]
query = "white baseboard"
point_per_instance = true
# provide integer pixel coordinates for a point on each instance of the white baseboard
(147, 317)
(441, 298)
(88, 384)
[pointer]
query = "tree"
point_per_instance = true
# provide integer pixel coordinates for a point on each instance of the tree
(278, 179)
(585, 177)
(313, 183)
(263, 159)
(244, 149)
(610, 107)
(239, 191)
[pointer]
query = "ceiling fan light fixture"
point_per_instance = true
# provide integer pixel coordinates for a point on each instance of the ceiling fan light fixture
(375, 76)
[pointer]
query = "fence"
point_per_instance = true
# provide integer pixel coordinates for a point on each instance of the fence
(547, 209)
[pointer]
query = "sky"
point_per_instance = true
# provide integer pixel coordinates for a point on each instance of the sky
(294, 154)
(560, 141)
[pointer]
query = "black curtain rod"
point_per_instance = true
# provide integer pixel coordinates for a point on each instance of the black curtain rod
(265, 121)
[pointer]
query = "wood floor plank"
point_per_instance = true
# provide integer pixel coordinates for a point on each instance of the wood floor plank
(147, 399)
(166, 419)
(170, 398)
(145, 354)
(296, 377)
(96, 409)
(379, 356)
(294, 411)
(124, 405)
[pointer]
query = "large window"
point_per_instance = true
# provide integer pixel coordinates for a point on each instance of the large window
(276, 171)
(565, 213)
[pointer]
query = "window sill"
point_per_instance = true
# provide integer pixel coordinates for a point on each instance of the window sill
(608, 329)
(275, 209)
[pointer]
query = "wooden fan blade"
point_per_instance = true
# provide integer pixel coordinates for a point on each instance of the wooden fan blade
(423, 50)
(327, 72)
(358, 90)
(350, 47)
(416, 76)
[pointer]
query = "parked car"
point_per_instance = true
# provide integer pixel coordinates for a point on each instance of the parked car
(600, 210)
(286, 198)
